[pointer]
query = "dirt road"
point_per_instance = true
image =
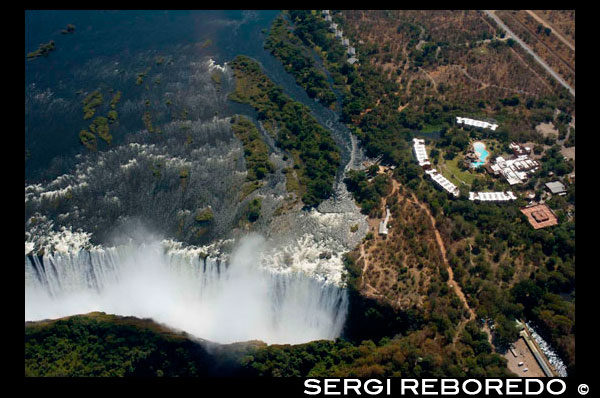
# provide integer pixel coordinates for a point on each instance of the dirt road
(451, 282)
(539, 60)
(556, 32)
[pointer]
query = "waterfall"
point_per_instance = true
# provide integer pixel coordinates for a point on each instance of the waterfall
(218, 297)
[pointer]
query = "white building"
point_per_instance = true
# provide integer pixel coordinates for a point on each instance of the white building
(351, 51)
(515, 170)
(475, 123)
(443, 182)
(556, 187)
(492, 196)
(345, 42)
(383, 228)
(420, 152)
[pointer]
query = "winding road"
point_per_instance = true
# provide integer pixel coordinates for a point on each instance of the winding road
(491, 14)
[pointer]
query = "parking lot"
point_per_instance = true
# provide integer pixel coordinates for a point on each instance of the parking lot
(523, 355)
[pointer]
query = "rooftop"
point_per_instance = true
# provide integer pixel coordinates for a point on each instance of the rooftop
(476, 123)
(492, 196)
(556, 187)
(443, 182)
(539, 216)
(515, 170)
(420, 152)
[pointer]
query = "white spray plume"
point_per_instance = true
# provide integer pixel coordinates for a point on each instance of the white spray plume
(240, 302)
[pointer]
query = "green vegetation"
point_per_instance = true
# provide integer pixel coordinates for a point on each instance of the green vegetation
(90, 103)
(491, 248)
(571, 140)
(88, 140)
(253, 209)
(98, 344)
(256, 152)
(147, 119)
(115, 100)
(291, 180)
(100, 126)
(103, 345)
(367, 193)
(414, 355)
(450, 169)
(288, 48)
(70, 29)
(140, 78)
(113, 116)
(204, 215)
(43, 50)
(311, 146)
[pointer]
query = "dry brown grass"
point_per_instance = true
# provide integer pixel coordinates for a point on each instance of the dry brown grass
(554, 52)
(398, 269)
(563, 20)
(465, 67)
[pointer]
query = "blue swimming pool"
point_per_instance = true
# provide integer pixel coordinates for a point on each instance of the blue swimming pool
(483, 154)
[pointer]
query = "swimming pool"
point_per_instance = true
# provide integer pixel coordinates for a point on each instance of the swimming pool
(483, 154)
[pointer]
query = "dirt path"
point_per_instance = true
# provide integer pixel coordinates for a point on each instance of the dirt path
(364, 254)
(451, 282)
(430, 78)
(486, 329)
(556, 32)
(485, 85)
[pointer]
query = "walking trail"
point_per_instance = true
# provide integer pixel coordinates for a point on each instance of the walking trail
(451, 282)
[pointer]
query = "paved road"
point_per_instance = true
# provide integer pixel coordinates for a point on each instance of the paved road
(539, 356)
(530, 51)
(555, 31)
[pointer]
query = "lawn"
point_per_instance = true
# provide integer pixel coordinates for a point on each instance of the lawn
(450, 170)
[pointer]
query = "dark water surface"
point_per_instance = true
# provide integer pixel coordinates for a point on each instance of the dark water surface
(107, 51)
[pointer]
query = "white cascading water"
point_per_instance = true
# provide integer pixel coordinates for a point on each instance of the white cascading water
(216, 298)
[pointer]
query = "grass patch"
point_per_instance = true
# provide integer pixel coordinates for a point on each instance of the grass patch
(88, 140)
(250, 187)
(256, 152)
(450, 170)
(90, 103)
(43, 50)
(204, 215)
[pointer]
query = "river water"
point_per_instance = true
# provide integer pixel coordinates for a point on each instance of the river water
(128, 196)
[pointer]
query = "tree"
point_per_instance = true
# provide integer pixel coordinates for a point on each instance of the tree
(528, 293)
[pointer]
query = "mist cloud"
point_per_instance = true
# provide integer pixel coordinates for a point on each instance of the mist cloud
(238, 302)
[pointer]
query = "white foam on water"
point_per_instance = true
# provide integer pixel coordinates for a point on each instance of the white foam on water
(218, 297)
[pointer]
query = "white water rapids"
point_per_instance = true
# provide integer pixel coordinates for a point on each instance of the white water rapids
(216, 298)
